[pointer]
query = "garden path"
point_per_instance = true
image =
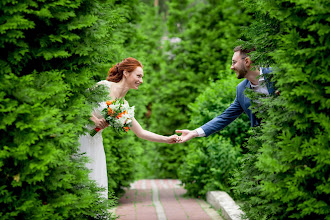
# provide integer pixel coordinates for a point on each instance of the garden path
(162, 199)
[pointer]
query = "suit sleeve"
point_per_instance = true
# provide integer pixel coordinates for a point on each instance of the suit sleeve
(221, 121)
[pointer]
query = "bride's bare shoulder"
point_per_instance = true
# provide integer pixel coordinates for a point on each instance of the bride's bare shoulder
(104, 82)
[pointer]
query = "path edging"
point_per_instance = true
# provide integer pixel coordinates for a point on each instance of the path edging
(221, 200)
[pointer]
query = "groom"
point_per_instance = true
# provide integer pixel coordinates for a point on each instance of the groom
(256, 79)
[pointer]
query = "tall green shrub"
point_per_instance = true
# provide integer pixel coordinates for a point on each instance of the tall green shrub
(288, 172)
(47, 51)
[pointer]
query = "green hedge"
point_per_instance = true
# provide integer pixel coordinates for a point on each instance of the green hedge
(50, 54)
(286, 173)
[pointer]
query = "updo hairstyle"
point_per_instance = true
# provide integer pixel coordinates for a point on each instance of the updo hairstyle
(116, 72)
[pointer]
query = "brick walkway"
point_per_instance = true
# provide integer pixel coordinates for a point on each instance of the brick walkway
(161, 199)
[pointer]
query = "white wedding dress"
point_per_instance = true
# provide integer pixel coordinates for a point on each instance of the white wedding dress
(93, 147)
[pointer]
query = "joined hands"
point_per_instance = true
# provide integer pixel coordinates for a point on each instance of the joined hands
(186, 135)
(173, 139)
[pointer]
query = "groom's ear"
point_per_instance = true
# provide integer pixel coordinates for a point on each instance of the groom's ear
(248, 62)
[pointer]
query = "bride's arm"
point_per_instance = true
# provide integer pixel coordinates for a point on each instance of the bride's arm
(150, 136)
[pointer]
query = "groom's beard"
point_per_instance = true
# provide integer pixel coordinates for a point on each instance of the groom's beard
(242, 72)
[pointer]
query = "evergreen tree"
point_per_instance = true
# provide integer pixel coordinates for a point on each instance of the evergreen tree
(286, 174)
(49, 52)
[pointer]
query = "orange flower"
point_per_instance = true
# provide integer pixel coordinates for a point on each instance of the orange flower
(126, 128)
(109, 102)
(110, 111)
(121, 114)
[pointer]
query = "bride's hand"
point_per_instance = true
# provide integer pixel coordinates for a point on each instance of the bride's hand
(101, 123)
(173, 139)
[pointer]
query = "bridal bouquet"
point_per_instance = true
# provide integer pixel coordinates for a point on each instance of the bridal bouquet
(118, 114)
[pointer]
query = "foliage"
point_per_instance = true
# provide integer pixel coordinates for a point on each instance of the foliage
(48, 50)
(210, 161)
(208, 166)
(286, 173)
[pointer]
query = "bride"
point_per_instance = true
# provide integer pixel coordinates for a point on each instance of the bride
(122, 77)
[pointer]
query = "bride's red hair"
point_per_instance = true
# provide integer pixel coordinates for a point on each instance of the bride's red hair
(116, 72)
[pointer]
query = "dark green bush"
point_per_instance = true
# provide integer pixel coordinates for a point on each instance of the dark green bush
(47, 52)
(208, 166)
(286, 174)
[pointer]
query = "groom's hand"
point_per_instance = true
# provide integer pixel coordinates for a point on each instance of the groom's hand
(186, 135)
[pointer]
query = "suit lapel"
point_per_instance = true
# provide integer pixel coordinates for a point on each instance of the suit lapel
(248, 84)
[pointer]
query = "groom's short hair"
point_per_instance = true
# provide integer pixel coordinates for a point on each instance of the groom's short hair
(243, 51)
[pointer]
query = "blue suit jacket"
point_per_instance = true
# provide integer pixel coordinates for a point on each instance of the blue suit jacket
(240, 104)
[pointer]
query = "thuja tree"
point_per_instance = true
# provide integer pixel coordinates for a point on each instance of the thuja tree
(201, 41)
(287, 173)
(47, 51)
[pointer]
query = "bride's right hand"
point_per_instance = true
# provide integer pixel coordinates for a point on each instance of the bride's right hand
(173, 139)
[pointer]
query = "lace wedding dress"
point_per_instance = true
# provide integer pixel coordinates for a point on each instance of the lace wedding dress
(93, 147)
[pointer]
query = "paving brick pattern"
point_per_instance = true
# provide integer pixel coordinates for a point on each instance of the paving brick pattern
(161, 199)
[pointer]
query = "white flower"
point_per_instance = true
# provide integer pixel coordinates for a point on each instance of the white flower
(131, 111)
(123, 119)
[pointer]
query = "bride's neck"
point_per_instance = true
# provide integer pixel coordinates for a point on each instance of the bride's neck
(118, 90)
